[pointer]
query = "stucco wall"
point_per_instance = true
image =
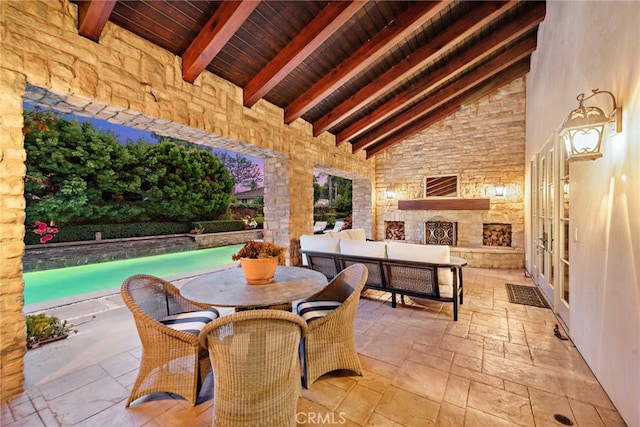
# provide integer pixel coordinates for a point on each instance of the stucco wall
(584, 46)
(127, 80)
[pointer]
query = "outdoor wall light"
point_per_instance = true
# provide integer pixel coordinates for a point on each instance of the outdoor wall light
(499, 188)
(582, 131)
(391, 194)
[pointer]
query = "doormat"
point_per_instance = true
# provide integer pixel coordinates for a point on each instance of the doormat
(526, 295)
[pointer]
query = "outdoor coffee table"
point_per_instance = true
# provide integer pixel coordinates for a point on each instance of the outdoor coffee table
(228, 288)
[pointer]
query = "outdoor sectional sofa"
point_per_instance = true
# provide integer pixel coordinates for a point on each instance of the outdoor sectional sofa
(422, 271)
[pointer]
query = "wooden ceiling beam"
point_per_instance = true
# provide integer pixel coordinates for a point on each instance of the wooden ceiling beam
(484, 48)
(414, 17)
(515, 71)
(93, 16)
(327, 22)
(443, 95)
(214, 35)
(472, 21)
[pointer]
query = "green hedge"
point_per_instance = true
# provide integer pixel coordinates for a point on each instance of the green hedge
(220, 226)
(77, 233)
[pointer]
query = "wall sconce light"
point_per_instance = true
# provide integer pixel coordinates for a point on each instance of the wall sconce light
(583, 129)
(499, 188)
(390, 193)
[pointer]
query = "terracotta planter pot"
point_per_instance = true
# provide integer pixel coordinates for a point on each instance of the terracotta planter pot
(259, 271)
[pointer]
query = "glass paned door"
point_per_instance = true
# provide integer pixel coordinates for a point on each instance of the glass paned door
(544, 221)
(563, 241)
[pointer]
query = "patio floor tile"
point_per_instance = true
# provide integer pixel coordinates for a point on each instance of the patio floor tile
(498, 365)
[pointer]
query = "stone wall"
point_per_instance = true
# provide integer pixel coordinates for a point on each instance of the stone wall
(60, 255)
(70, 254)
(214, 240)
(495, 153)
(126, 80)
(13, 332)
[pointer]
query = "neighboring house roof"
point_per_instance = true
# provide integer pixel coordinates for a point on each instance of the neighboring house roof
(250, 194)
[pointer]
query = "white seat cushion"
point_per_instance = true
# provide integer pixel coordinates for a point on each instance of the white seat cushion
(438, 254)
(356, 234)
(363, 248)
(343, 235)
(192, 321)
(312, 310)
(318, 243)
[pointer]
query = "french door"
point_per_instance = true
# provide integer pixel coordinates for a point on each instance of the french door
(550, 225)
(543, 219)
(564, 191)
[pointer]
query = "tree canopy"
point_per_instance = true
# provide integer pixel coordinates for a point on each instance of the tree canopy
(243, 170)
(77, 175)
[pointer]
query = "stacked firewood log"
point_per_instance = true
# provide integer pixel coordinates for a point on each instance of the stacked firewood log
(395, 230)
(496, 235)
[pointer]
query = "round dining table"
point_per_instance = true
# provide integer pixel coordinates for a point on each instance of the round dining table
(229, 288)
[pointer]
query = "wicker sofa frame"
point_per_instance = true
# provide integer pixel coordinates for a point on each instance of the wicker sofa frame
(399, 277)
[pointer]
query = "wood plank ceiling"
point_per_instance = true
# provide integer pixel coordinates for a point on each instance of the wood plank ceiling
(372, 73)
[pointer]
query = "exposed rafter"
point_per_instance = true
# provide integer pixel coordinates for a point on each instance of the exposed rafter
(215, 34)
(471, 22)
(440, 97)
(332, 17)
(515, 71)
(369, 52)
(368, 72)
(93, 16)
(472, 55)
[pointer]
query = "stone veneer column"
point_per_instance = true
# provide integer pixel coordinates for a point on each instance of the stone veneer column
(288, 210)
(361, 202)
(12, 204)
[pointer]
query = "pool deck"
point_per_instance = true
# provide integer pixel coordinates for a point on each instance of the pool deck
(105, 329)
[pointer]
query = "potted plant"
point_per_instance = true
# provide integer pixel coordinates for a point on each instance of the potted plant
(42, 329)
(259, 261)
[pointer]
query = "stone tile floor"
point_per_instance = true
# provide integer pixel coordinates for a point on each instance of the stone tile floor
(499, 365)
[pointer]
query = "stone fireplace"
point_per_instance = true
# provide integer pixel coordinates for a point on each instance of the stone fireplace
(496, 234)
(464, 231)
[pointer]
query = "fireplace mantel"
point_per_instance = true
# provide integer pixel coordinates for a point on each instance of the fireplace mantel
(452, 204)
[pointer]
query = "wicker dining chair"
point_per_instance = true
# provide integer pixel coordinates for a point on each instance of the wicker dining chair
(330, 342)
(168, 325)
(256, 368)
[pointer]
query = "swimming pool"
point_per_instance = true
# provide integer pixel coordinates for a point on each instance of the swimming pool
(41, 286)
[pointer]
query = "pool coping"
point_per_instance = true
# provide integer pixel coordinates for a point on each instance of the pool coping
(45, 305)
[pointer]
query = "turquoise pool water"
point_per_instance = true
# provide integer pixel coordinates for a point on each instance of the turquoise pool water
(40, 286)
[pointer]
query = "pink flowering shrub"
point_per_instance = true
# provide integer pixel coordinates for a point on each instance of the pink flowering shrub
(43, 230)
